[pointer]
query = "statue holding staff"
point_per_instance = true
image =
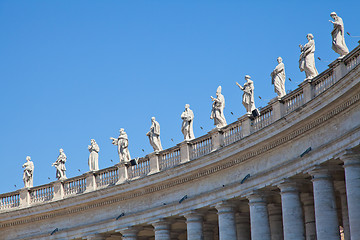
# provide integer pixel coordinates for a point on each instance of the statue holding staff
(217, 111)
(338, 33)
(187, 125)
(278, 78)
(60, 165)
(28, 172)
(122, 144)
(248, 95)
(94, 156)
(307, 60)
(154, 135)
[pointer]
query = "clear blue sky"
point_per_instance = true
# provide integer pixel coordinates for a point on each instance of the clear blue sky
(75, 70)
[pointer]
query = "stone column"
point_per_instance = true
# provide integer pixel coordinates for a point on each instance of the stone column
(327, 226)
(352, 181)
(243, 226)
(293, 223)
(275, 221)
(194, 226)
(259, 219)
(129, 233)
(162, 230)
(340, 187)
(309, 215)
(226, 216)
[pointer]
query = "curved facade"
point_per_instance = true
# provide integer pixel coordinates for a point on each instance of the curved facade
(292, 173)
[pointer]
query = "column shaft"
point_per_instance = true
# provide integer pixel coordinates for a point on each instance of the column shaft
(162, 230)
(309, 215)
(227, 225)
(259, 219)
(194, 225)
(292, 214)
(327, 226)
(275, 221)
(243, 226)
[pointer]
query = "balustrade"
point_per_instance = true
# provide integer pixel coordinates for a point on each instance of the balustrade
(265, 118)
(169, 158)
(293, 100)
(200, 147)
(107, 176)
(352, 61)
(75, 185)
(139, 170)
(232, 133)
(42, 193)
(323, 82)
(10, 200)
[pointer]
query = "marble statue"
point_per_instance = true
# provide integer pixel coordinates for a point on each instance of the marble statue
(154, 135)
(60, 165)
(28, 172)
(187, 125)
(307, 60)
(338, 33)
(217, 112)
(248, 95)
(122, 143)
(278, 78)
(94, 156)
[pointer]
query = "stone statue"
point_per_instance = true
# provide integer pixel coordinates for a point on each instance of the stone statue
(28, 172)
(217, 112)
(94, 156)
(307, 60)
(248, 96)
(154, 135)
(278, 78)
(338, 33)
(60, 165)
(122, 143)
(187, 125)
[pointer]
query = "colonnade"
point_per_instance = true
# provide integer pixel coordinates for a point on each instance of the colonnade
(322, 203)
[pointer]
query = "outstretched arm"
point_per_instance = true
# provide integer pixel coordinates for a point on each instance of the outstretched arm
(239, 86)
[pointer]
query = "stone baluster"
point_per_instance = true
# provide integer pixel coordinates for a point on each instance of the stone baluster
(209, 231)
(194, 226)
(327, 226)
(162, 230)
(185, 149)
(154, 163)
(243, 226)
(275, 221)
(122, 172)
(293, 223)
(226, 219)
(352, 181)
(341, 189)
(309, 215)
(259, 218)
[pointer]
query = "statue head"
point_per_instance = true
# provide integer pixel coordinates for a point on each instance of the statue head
(92, 140)
(333, 15)
(121, 130)
(61, 150)
(187, 106)
(28, 158)
(152, 119)
(218, 91)
(310, 37)
(279, 59)
(247, 77)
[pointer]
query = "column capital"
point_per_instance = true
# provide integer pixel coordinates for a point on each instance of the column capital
(129, 232)
(290, 185)
(161, 224)
(193, 216)
(257, 197)
(95, 236)
(225, 207)
(350, 158)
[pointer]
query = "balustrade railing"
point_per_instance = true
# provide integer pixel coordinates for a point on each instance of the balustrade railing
(169, 158)
(10, 200)
(139, 170)
(75, 185)
(352, 61)
(265, 118)
(42, 193)
(200, 146)
(107, 176)
(232, 133)
(323, 82)
(293, 100)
